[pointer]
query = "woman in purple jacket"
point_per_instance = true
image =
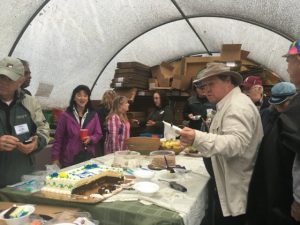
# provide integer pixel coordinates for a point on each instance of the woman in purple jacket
(68, 149)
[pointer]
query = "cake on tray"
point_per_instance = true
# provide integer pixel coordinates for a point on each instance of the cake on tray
(92, 179)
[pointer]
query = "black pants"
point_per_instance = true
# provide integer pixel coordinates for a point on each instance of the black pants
(214, 215)
(219, 219)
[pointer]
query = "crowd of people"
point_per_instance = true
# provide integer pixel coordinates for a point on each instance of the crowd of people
(250, 146)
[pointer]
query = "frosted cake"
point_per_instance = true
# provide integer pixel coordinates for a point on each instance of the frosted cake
(79, 180)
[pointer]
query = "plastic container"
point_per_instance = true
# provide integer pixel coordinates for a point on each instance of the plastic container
(126, 159)
(142, 174)
(146, 188)
(19, 220)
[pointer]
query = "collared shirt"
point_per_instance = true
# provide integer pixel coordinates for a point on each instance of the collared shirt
(232, 143)
(118, 133)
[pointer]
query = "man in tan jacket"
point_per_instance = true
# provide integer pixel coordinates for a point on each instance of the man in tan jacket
(232, 142)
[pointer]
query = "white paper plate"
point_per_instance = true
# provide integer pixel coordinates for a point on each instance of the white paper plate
(143, 174)
(166, 175)
(147, 188)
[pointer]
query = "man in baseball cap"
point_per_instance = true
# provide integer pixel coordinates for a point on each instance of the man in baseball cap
(23, 129)
(282, 92)
(291, 124)
(293, 60)
(232, 142)
(11, 68)
(252, 87)
(11, 77)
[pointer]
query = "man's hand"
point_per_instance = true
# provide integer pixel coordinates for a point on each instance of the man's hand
(295, 211)
(8, 143)
(28, 148)
(150, 123)
(187, 136)
(191, 116)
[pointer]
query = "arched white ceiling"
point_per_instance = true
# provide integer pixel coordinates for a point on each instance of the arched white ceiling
(70, 42)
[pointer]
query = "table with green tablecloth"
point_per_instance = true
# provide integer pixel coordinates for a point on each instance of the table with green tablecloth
(137, 212)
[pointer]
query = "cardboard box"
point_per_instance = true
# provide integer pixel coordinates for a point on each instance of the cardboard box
(130, 93)
(231, 52)
(153, 83)
(176, 84)
(164, 82)
(133, 78)
(164, 71)
(132, 72)
(190, 68)
(177, 71)
(136, 65)
(124, 82)
(232, 55)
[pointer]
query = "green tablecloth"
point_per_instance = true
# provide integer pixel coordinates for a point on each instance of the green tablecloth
(114, 213)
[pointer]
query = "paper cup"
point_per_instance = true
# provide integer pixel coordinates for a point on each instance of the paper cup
(83, 134)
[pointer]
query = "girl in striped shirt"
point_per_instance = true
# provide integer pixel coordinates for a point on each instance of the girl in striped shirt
(118, 126)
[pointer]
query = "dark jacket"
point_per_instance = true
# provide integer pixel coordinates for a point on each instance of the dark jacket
(291, 139)
(270, 193)
(264, 104)
(102, 114)
(268, 118)
(158, 115)
(196, 106)
(24, 109)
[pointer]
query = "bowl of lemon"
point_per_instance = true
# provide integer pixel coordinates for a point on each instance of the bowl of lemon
(172, 145)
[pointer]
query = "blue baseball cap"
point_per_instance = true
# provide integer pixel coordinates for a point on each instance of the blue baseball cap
(281, 92)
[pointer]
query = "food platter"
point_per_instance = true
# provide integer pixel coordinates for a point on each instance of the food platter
(91, 197)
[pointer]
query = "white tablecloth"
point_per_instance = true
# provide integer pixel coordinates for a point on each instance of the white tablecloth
(190, 205)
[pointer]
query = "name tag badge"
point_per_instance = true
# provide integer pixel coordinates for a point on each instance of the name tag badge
(21, 129)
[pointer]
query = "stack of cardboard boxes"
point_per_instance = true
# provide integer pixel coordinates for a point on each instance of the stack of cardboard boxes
(131, 75)
(179, 74)
(132, 78)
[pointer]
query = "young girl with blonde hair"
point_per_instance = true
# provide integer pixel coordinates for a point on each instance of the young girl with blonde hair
(118, 126)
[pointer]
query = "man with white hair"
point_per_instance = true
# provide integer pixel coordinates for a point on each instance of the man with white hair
(252, 87)
(23, 127)
(232, 142)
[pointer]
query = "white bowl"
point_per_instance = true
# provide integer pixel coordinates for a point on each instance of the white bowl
(143, 174)
(167, 175)
(146, 188)
(20, 220)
